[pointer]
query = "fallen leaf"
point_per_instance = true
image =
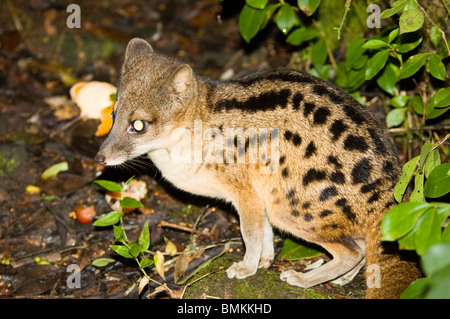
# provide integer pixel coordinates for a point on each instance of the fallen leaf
(159, 264)
(142, 283)
(54, 170)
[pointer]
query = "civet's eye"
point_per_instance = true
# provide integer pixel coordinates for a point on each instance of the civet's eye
(138, 126)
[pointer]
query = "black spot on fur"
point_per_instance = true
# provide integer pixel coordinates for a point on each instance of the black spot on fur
(313, 175)
(310, 149)
(354, 114)
(308, 217)
(375, 196)
(296, 140)
(309, 107)
(263, 102)
(295, 213)
(370, 186)
(296, 100)
(288, 135)
(380, 148)
(306, 205)
(337, 128)
(290, 194)
(321, 115)
(282, 159)
(346, 209)
(337, 177)
(388, 168)
(327, 193)
(355, 143)
(361, 171)
(285, 172)
(333, 160)
(294, 202)
(325, 213)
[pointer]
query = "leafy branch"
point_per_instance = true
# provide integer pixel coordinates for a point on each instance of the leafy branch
(127, 248)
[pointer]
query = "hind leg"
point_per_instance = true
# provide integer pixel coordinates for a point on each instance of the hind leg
(345, 279)
(346, 256)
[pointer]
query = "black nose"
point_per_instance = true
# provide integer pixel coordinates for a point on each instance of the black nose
(99, 158)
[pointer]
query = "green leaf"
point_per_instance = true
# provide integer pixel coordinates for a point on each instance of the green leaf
(292, 250)
(403, 47)
(135, 249)
(424, 153)
(433, 160)
(396, 117)
(399, 100)
(412, 65)
(401, 219)
(436, 67)
(376, 63)
(397, 6)
(429, 232)
(308, 6)
(442, 98)
(439, 104)
(129, 202)
(109, 219)
(119, 233)
(411, 20)
(436, 258)
(393, 34)
(257, 4)
(102, 262)
(417, 194)
(417, 104)
(375, 44)
(54, 170)
(435, 35)
(144, 237)
(388, 79)
(268, 12)
(319, 53)
(250, 21)
(438, 182)
(300, 35)
(108, 185)
(407, 172)
(286, 18)
(121, 250)
(145, 262)
(416, 290)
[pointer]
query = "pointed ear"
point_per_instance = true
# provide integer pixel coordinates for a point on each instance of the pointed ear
(182, 79)
(137, 47)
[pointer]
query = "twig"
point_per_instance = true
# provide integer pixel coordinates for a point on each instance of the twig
(180, 227)
(440, 30)
(347, 9)
(327, 47)
(423, 128)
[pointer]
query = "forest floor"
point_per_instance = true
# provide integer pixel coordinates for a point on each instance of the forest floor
(40, 58)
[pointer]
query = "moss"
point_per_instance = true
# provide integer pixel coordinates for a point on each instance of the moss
(265, 284)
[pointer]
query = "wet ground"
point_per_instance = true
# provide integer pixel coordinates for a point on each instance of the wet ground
(41, 245)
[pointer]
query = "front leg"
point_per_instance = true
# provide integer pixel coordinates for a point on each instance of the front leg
(251, 216)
